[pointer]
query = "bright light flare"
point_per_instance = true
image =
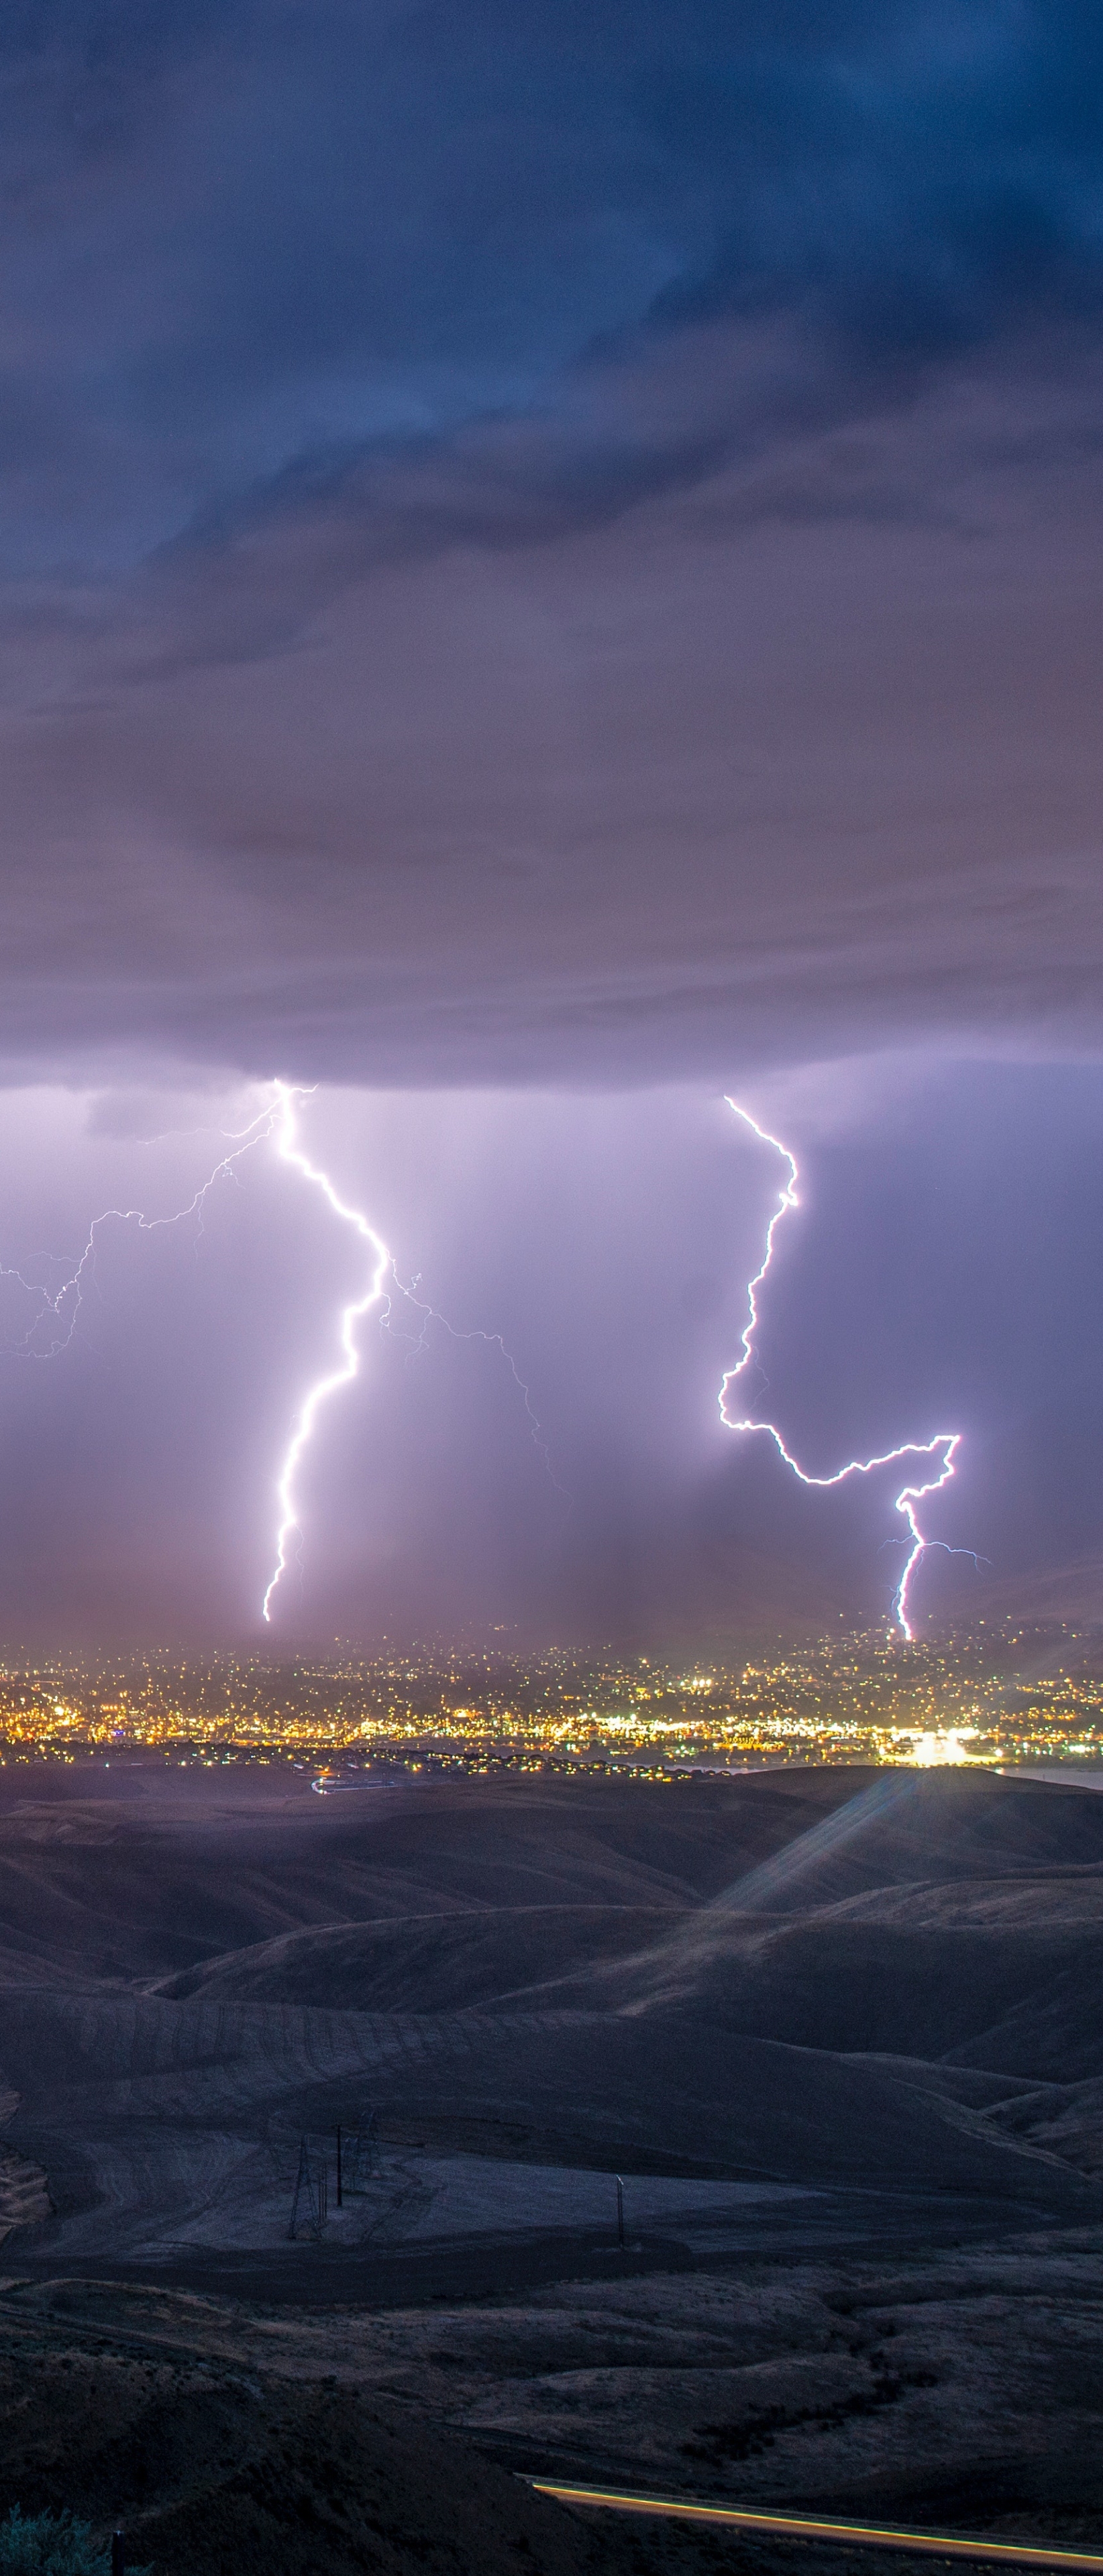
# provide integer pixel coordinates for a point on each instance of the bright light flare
(939, 1745)
(941, 1448)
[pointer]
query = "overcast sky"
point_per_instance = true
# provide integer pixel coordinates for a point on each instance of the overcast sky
(550, 572)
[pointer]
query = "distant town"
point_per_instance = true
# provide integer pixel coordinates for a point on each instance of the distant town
(998, 1695)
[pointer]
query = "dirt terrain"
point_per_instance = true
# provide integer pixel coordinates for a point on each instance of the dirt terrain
(958, 2391)
(836, 2032)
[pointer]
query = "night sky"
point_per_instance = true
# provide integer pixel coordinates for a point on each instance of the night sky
(551, 570)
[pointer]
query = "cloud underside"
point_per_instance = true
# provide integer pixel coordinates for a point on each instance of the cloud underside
(747, 772)
(547, 545)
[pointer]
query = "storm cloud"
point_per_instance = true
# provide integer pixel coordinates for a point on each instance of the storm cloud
(550, 571)
(468, 472)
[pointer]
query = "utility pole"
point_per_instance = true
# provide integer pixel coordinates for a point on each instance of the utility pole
(620, 2211)
(311, 2194)
(338, 2164)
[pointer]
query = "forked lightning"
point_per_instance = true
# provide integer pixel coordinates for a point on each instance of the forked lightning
(58, 1313)
(942, 1446)
(54, 1321)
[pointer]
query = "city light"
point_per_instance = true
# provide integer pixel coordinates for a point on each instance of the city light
(1005, 1696)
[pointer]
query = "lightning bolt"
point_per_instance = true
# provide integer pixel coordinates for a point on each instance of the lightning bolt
(380, 1269)
(382, 1275)
(941, 1448)
(59, 1312)
(492, 1341)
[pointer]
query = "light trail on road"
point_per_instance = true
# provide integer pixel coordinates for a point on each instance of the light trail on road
(800, 2526)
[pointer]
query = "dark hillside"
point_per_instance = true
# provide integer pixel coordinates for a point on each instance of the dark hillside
(816, 1984)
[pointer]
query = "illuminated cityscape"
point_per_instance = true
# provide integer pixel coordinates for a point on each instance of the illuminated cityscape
(999, 1696)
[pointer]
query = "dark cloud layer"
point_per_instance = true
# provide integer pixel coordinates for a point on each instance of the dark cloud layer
(549, 543)
(252, 245)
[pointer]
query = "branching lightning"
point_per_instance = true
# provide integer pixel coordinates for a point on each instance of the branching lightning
(382, 1278)
(59, 1312)
(493, 1342)
(54, 1320)
(941, 1448)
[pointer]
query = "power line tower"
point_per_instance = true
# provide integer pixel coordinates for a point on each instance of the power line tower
(357, 2158)
(310, 2207)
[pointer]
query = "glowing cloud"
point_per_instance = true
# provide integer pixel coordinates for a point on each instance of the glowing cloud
(941, 1448)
